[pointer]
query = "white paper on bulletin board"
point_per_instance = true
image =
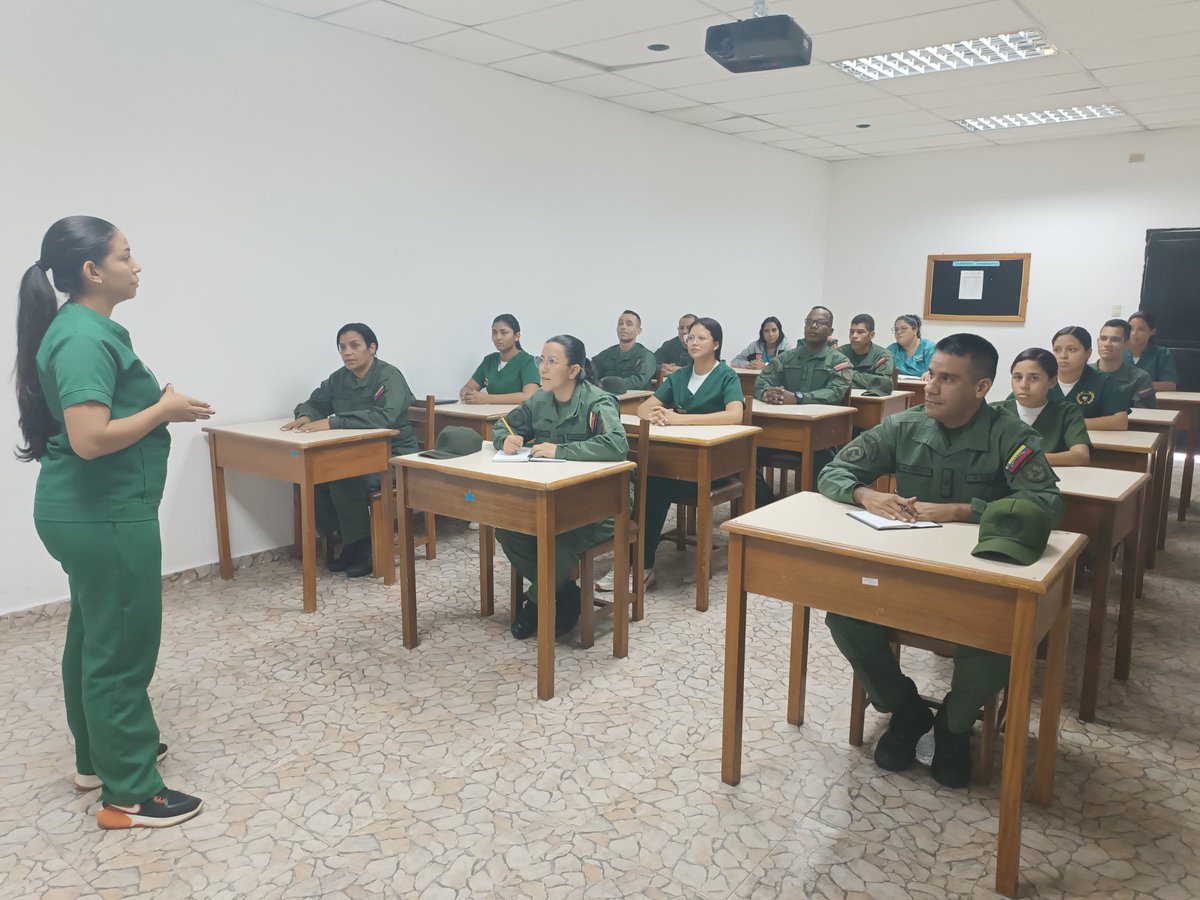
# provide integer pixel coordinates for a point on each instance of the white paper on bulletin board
(970, 285)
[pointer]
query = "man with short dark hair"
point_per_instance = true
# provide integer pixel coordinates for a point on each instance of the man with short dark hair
(873, 366)
(673, 354)
(951, 458)
(626, 365)
(1135, 383)
(813, 372)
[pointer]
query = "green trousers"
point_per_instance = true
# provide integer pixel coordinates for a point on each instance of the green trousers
(977, 673)
(521, 550)
(113, 633)
(345, 507)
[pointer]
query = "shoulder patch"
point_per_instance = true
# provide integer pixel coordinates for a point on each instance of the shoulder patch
(844, 364)
(1019, 457)
(379, 393)
(880, 363)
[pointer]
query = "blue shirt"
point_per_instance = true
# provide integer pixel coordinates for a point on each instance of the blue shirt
(916, 365)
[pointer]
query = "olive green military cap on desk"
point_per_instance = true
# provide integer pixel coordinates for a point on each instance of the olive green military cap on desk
(1013, 530)
(454, 441)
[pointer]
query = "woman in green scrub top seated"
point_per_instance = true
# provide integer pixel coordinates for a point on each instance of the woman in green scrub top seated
(571, 417)
(365, 393)
(94, 417)
(1064, 433)
(911, 352)
(1098, 396)
(507, 376)
(707, 392)
(1145, 353)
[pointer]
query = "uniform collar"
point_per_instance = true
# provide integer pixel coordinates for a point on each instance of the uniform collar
(975, 435)
(84, 314)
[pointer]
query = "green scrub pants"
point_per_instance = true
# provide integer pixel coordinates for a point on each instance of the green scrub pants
(345, 507)
(113, 633)
(977, 673)
(521, 550)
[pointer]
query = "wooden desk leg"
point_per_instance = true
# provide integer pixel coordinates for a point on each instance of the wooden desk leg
(430, 536)
(1131, 576)
(297, 537)
(735, 663)
(798, 665)
(749, 482)
(704, 515)
(1052, 694)
(1191, 447)
(620, 567)
(546, 531)
(1168, 477)
(408, 564)
(221, 510)
(1153, 496)
(487, 580)
(1101, 567)
(308, 537)
(385, 526)
(806, 466)
(1020, 678)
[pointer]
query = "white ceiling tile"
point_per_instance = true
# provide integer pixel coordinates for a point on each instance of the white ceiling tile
(679, 72)
(891, 110)
(761, 84)
(1148, 22)
(1149, 50)
(1049, 11)
(833, 155)
(1186, 67)
(474, 46)
(380, 18)
(865, 139)
(1035, 103)
(849, 127)
(1185, 116)
(580, 21)
(697, 114)
(772, 135)
(1171, 87)
(686, 39)
(603, 85)
(310, 8)
(548, 67)
(1011, 90)
(653, 101)
(475, 12)
(807, 143)
(1161, 104)
(821, 16)
(738, 124)
(846, 94)
(933, 142)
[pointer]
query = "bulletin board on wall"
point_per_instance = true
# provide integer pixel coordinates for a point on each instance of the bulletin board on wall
(977, 287)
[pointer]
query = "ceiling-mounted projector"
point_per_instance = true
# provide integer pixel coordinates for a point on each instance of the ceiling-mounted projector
(754, 45)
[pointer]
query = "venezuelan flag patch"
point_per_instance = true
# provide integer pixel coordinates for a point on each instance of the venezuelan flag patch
(1019, 458)
(593, 421)
(842, 366)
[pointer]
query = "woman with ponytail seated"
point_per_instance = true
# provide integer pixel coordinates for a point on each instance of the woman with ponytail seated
(93, 415)
(569, 418)
(507, 376)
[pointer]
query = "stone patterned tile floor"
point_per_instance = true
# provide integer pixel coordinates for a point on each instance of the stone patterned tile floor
(335, 763)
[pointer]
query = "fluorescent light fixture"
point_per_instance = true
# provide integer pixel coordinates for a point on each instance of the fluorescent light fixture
(1046, 117)
(984, 51)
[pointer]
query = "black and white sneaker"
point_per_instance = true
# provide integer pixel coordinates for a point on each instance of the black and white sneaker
(164, 809)
(85, 783)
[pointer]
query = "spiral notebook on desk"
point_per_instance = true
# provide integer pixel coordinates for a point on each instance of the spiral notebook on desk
(879, 523)
(523, 455)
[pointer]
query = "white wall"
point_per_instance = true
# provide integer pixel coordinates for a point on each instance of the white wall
(278, 177)
(1078, 206)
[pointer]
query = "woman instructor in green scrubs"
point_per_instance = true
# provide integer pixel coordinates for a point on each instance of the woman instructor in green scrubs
(95, 418)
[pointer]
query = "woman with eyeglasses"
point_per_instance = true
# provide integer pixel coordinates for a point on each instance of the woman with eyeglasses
(706, 392)
(771, 342)
(911, 352)
(571, 417)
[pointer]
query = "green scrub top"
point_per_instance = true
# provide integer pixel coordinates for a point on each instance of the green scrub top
(821, 377)
(519, 371)
(873, 370)
(993, 456)
(638, 367)
(718, 390)
(1136, 384)
(380, 400)
(1060, 424)
(673, 353)
(87, 356)
(586, 428)
(1096, 393)
(1157, 361)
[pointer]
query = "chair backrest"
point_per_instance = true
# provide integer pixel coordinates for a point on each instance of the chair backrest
(747, 410)
(430, 408)
(895, 379)
(658, 377)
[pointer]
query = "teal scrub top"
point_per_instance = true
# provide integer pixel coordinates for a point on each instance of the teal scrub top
(916, 365)
(1157, 361)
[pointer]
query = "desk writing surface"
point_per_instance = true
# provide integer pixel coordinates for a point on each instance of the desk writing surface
(548, 476)
(801, 410)
(634, 395)
(470, 410)
(742, 371)
(269, 431)
(813, 520)
(1163, 417)
(861, 394)
(913, 381)
(694, 434)
(1131, 441)
(1179, 396)
(1100, 484)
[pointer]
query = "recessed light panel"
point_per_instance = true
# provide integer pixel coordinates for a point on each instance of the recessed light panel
(1046, 117)
(984, 51)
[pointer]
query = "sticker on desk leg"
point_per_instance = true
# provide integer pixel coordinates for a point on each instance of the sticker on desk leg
(295, 453)
(870, 582)
(469, 496)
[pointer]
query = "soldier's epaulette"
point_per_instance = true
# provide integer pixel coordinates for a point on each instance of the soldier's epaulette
(1019, 458)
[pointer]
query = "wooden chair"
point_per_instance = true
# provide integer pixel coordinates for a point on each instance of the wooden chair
(730, 492)
(379, 546)
(590, 604)
(992, 714)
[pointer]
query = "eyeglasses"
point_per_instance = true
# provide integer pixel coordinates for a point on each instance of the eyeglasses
(903, 329)
(696, 339)
(550, 361)
(825, 323)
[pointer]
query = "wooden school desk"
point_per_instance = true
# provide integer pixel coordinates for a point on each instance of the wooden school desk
(1164, 422)
(805, 550)
(703, 454)
(1106, 505)
(747, 377)
(542, 499)
(803, 428)
(631, 400)
(870, 411)
(1187, 403)
(916, 385)
(306, 460)
(479, 417)
(1133, 451)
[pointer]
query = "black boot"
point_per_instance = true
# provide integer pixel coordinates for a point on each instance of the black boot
(345, 558)
(363, 563)
(527, 620)
(911, 719)
(567, 606)
(951, 752)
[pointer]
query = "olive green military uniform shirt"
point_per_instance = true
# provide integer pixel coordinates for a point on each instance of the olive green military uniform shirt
(720, 388)
(1060, 424)
(518, 372)
(1157, 362)
(380, 400)
(87, 356)
(873, 370)
(638, 367)
(1135, 383)
(586, 428)
(821, 377)
(993, 456)
(673, 353)
(1096, 394)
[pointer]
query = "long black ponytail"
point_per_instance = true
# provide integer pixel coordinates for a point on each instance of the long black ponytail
(576, 356)
(68, 244)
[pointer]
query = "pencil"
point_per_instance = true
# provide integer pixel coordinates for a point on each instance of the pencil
(504, 422)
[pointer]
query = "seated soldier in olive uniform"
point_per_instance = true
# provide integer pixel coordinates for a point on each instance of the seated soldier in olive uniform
(1064, 433)
(1135, 383)
(673, 354)
(626, 365)
(951, 457)
(365, 393)
(569, 418)
(873, 366)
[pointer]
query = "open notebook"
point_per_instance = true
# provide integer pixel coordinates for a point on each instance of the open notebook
(879, 523)
(522, 455)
